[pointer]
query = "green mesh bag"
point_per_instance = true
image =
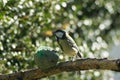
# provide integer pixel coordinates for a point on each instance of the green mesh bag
(46, 57)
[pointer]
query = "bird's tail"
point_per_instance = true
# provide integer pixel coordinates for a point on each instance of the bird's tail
(79, 55)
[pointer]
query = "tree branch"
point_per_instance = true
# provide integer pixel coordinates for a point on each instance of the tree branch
(81, 64)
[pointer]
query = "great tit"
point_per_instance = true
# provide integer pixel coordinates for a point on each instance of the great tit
(67, 44)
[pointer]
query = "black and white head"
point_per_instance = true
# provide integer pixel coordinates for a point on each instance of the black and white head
(60, 34)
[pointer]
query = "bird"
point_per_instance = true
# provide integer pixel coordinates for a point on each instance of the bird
(67, 44)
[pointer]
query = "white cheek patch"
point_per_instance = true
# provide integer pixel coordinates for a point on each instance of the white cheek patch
(59, 34)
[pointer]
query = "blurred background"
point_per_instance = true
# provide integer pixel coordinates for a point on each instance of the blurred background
(26, 25)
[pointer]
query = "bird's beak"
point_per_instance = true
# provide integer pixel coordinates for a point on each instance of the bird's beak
(53, 32)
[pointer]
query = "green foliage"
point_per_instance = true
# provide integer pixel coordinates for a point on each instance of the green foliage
(27, 24)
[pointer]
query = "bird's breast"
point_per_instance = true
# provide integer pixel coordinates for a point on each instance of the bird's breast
(67, 48)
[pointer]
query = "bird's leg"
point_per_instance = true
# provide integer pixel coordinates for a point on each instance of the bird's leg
(72, 58)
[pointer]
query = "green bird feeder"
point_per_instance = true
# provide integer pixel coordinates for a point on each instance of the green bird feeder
(46, 57)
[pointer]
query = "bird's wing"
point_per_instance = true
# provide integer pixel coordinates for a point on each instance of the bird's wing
(72, 43)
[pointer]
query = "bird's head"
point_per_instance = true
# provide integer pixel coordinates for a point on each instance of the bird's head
(59, 34)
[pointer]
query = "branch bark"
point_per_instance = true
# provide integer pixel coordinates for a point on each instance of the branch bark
(80, 64)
